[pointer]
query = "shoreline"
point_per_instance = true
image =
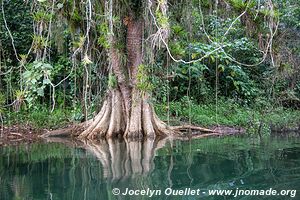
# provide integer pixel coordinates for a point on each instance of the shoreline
(26, 134)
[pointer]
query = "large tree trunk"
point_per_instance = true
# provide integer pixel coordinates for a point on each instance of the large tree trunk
(126, 111)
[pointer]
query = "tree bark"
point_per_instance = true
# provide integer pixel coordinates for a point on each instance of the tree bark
(127, 111)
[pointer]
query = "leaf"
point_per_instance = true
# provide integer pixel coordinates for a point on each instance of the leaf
(60, 5)
(194, 55)
(232, 73)
(194, 69)
(33, 81)
(230, 78)
(41, 1)
(203, 67)
(181, 76)
(47, 66)
(46, 81)
(27, 74)
(37, 65)
(184, 71)
(236, 84)
(40, 91)
(221, 68)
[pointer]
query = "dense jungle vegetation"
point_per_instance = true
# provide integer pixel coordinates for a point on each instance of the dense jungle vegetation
(228, 62)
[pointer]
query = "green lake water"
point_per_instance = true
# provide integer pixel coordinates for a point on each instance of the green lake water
(76, 170)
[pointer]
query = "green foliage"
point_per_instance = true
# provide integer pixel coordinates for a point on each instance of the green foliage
(41, 16)
(162, 20)
(143, 81)
(19, 21)
(229, 113)
(192, 78)
(39, 42)
(290, 12)
(79, 42)
(177, 50)
(196, 35)
(179, 31)
(36, 78)
(103, 32)
(76, 113)
(234, 81)
(76, 17)
(40, 116)
(61, 66)
(112, 81)
(242, 5)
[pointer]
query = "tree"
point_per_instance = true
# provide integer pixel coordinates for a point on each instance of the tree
(126, 31)
(127, 110)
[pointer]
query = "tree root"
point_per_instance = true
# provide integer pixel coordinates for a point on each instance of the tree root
(156, 129)
(72, 131)
(66, 132)
(112, 122)
(191, 127)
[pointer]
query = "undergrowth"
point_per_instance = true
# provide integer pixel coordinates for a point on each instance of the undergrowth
(228, 113)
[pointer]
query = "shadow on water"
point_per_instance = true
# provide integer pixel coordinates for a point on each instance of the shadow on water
(71, 169)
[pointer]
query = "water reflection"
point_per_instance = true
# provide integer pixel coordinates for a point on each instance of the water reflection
(66, 169)
(121, 159)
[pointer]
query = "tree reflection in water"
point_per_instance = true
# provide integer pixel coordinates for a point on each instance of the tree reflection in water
(122, 159)
(66, 169)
